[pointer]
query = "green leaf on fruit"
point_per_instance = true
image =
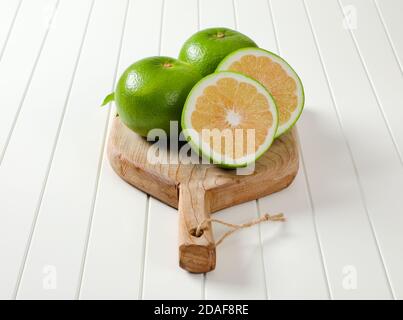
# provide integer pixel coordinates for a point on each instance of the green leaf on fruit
(109, 98)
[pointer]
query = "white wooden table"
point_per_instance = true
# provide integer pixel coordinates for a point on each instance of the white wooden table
(70, 228)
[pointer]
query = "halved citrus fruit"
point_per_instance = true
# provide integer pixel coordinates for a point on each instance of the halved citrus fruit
(230, 118)
(276, 75)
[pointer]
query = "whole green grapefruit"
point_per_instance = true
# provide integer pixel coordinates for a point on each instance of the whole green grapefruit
(206, 48)
(151, 93)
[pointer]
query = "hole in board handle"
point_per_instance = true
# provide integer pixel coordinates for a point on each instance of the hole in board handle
(193, 232)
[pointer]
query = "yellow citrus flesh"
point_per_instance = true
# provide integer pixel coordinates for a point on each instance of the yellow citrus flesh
(233, 106)
(272, 75)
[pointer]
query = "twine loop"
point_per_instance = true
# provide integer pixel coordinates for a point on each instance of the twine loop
(235, 227)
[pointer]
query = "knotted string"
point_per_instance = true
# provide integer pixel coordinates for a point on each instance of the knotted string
(200, 228)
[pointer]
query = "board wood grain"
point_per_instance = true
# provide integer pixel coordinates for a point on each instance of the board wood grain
(199, 189)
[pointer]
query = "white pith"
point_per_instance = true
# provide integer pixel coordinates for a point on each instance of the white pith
(226, 63)
(205, 148)
(233, 118)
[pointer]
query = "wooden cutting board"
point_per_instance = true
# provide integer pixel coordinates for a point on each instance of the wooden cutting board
(199, 189)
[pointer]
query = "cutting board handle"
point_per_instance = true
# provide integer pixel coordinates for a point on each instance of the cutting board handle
(197, 252)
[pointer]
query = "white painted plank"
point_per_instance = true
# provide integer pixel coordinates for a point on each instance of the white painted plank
(163, 278)
(8, 14)
(375, 157)
(209, 17)
(239, 273)
(114, 262)
(380, 63)
(179, 23)
(61, 229)
(391, 15)
(216, 14)
(255, 22)
(26, 162)
(293, 263)
(339, 211)
(16, 65)
(292, 256)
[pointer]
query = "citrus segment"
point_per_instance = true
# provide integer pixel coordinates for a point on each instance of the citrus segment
(230, 118)
(276, 75)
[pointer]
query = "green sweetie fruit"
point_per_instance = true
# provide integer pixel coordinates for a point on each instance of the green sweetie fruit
(151, 93)
(206, 48)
